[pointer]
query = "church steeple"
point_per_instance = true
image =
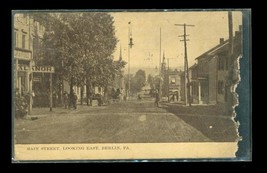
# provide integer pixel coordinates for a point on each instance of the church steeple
(164, 57)
(163, 67)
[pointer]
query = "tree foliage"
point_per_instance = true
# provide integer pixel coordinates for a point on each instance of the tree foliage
(80, 46)
(138, 81)
(151, 81)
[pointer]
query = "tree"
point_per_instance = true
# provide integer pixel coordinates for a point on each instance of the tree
(80, 46)
(138, 81)
(151, 81)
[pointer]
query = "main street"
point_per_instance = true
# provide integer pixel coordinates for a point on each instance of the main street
(131, 121)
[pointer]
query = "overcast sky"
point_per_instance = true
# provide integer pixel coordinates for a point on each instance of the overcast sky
(209, 28)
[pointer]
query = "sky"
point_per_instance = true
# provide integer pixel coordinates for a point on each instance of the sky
(208, 28)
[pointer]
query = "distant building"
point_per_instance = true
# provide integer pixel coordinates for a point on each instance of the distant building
(194, 85)
(165, 79)
(174, 85)
(171, 87)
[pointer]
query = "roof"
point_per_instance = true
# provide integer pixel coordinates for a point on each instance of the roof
(213, 50)
(193, 66)
(222, 47)
(174, 72)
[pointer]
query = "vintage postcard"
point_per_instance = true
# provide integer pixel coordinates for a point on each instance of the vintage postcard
(127, 85)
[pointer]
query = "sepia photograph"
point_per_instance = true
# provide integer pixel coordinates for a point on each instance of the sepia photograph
(112, 85)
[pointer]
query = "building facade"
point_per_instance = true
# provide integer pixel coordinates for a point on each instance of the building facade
(174, 85)
(209, 79)
(26, 32)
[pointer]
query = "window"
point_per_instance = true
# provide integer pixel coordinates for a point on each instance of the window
(195, 89)
(16, 39)
(23, 41)
(173, 81)
(99, 89)
(220, 87)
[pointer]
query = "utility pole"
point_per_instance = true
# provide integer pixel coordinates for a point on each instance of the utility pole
(51, 93)
(230, 101)
(129, 47)
(160, 82)
(186, 73)
(160, 49)
(30, 73)
(168, 92)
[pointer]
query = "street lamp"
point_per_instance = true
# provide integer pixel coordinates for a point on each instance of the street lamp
(129, 47)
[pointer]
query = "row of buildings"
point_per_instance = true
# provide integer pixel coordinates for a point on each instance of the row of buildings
(28, 77)
(26, 32)
(210, 77)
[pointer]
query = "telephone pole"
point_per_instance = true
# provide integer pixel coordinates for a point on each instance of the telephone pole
(228, 89)
(160, 82)
(186, 73)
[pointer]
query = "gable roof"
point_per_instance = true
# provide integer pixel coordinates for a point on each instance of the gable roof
(213, 50)
(222, 47)
(193, 66)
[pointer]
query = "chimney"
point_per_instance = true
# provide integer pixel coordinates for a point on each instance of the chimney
(221, 40)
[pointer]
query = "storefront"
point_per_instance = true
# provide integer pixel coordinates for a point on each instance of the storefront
(22, 73)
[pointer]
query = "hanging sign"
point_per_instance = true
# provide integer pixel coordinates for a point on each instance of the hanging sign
(37, 69)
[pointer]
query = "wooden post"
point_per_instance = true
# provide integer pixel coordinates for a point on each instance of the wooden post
(199, 93)
(168, 89)
(186, 73)
(51, 92)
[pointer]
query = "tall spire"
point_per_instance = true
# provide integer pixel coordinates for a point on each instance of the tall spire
(163, 65)
(163, 57)
(120, 58)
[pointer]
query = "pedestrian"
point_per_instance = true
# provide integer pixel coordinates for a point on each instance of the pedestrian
(118, 94)
(139, 97)
(75, 98)
(66, 99)
(156, 98)
(55, 98)
(91, 95)
(121, 94)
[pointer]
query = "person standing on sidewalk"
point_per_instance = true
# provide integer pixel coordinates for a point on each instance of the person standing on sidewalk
(157, 98)
(121, 95)
(75, 98)
(66, 99)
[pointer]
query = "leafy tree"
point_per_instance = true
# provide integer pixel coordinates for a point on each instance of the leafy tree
(151, 81)
(80, 46)
(138, 81)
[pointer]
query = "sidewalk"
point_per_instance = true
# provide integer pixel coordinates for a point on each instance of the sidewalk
(209, 119)
(196, 109)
